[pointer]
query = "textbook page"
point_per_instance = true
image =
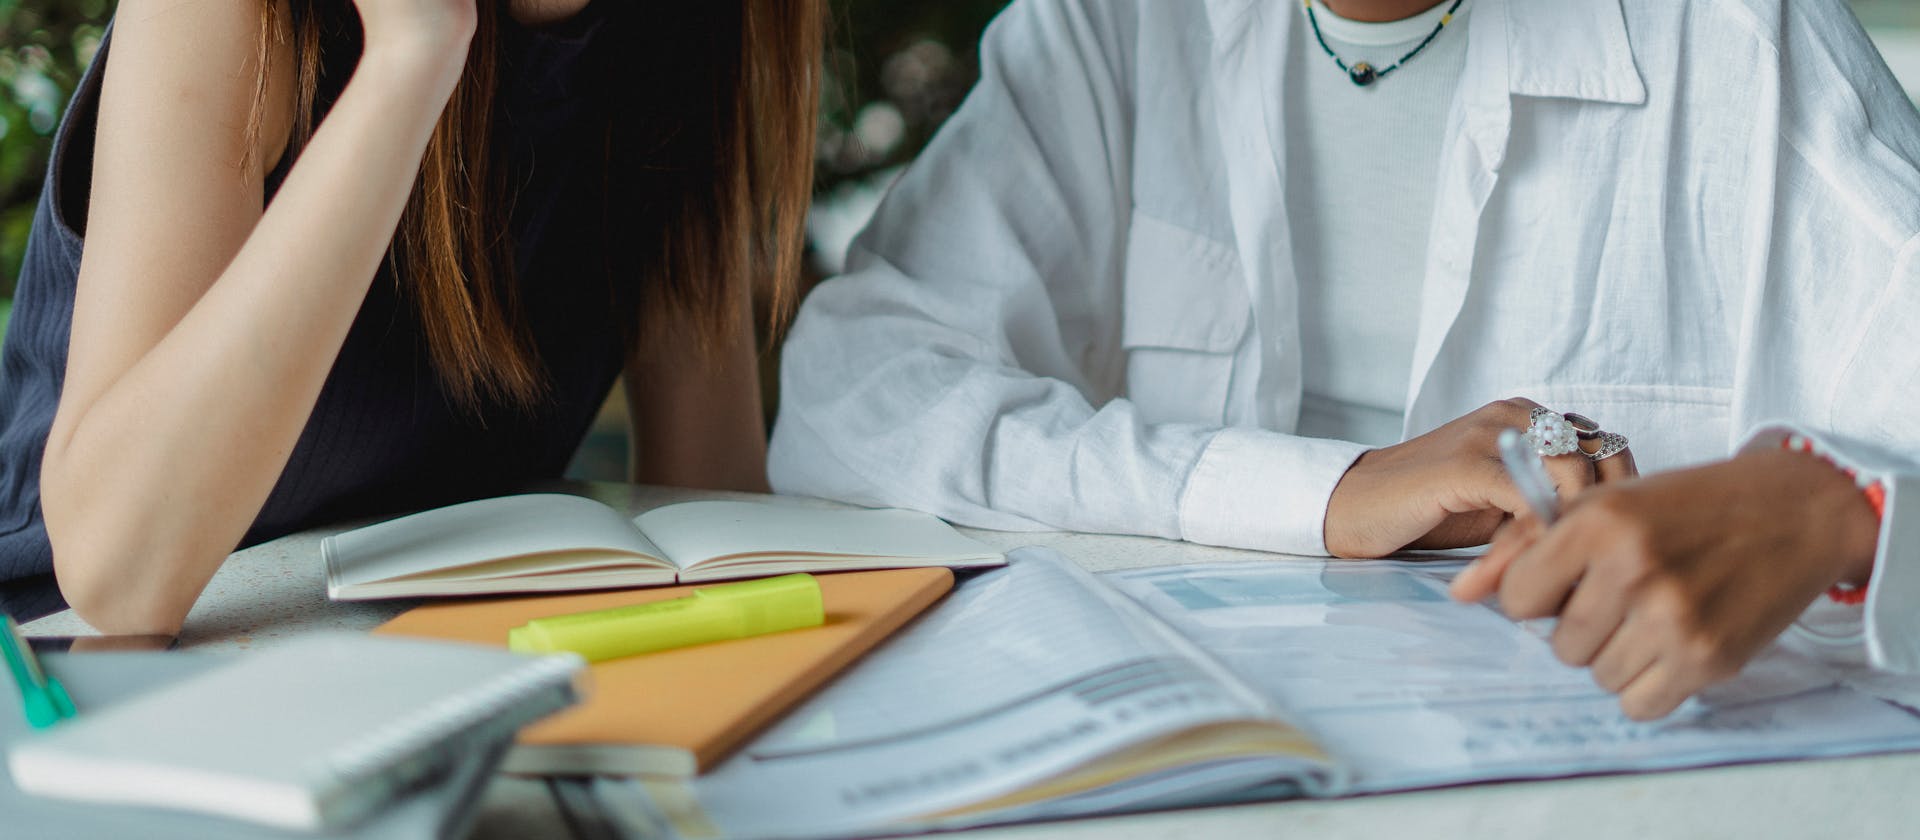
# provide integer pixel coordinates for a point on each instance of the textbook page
(1023, 674)
(1412, 689)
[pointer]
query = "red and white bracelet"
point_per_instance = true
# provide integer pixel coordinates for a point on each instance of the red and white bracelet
(1876, 494)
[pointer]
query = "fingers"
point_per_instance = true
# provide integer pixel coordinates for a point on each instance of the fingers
(1658, 690)
(1647, 674)
(1445, 488)
(1624, 658)
(1495, 489)
(1571, 474)
(1618, 467)
(1480, 578)
(1585, 573)
(1538, 580)
(1592, 616)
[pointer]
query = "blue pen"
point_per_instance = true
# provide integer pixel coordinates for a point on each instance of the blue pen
(43, 698)
(1529, 474)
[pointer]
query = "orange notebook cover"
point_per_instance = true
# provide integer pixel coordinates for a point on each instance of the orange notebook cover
(679, 712)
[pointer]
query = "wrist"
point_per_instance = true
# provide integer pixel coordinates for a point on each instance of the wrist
(1859, 531)
(1339, 528)
(425, 60)
(1836, 505)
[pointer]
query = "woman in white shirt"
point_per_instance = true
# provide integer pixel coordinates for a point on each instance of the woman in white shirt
(1172, 270)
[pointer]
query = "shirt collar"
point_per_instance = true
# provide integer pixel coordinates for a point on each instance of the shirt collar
(1570, 49)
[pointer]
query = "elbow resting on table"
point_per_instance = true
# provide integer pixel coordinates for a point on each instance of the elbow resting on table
(91, 564)
(108, 599)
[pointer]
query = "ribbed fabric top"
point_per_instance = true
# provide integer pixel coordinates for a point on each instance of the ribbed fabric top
(384, 436)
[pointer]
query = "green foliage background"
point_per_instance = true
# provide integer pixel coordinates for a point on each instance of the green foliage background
(46, 44)
(910, 60)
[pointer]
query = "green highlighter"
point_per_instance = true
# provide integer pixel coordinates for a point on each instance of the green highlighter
(44, 698)
(710, 614)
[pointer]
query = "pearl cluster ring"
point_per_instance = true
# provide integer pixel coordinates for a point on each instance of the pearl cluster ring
(1551, 433)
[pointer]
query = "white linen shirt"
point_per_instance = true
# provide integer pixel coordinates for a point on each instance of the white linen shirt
(1078, 311)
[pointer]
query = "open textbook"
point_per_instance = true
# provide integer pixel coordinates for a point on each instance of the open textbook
(1039, 691)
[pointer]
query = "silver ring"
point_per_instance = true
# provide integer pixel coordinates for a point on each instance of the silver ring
(1550, 433)
(1611, 444)
(1583, 426)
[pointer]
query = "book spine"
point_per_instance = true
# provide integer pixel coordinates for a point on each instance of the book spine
(329, 560)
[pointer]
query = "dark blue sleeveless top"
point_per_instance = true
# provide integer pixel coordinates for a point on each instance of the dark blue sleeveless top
(384, 436)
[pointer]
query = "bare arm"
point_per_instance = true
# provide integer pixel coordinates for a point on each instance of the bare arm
(204, 328)
(697, 422)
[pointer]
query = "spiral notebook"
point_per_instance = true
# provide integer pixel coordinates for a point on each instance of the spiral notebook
(310, 736)
(441, 809)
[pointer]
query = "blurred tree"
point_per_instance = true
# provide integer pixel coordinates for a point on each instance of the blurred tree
(896, 71)
(44, 46)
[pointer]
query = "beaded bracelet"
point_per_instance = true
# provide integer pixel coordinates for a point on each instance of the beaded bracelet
(1876, 494)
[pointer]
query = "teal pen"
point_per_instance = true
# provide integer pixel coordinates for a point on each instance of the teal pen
(43, 698)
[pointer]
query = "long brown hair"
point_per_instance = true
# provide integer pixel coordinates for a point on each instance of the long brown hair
(714, 141)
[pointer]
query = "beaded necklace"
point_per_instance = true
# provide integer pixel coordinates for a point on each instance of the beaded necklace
(1362, 73)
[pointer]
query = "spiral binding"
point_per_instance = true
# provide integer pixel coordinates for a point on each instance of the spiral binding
(410, 735)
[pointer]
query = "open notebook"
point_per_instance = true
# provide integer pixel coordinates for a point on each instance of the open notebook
(548, 542)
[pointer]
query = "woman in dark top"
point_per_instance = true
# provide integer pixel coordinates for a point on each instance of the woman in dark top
(320, 259)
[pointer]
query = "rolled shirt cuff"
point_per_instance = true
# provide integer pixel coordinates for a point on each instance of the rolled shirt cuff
(1263, 490)
(1891, 615)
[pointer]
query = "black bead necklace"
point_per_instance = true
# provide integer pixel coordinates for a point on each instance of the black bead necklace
(1362, 73)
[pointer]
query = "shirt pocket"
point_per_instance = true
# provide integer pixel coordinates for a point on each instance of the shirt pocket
(1185, 312)
(1667, 426)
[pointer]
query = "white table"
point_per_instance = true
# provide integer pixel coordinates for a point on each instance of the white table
(274, 592)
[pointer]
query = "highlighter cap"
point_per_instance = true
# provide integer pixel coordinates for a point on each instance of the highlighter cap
(771, 605)
(520, 640)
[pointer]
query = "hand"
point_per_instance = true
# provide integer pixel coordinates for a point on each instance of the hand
(1446, 488)
(1669, 584)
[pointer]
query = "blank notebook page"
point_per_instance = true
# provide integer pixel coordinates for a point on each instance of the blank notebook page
(694, 532)
(476, 531)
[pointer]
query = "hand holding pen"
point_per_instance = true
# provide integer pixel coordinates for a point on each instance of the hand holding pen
(1668, 584)
(1525, 455)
